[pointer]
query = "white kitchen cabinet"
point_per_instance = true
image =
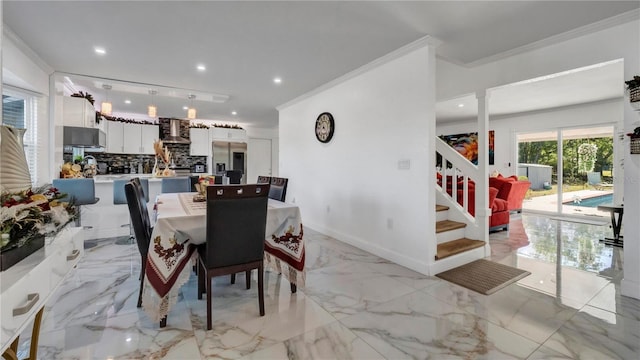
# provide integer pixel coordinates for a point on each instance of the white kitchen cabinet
(123, 138)
(148, 135)
(200, 143)
(131, 138)
(227, 134)
(77, 112)
(115, 140)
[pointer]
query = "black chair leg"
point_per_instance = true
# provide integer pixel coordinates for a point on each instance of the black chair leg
(261, 289)
(201, 285)
(209, 309)
(247, 276)
(163, 322)
(294, 288)
(233, 278)
(142, 270)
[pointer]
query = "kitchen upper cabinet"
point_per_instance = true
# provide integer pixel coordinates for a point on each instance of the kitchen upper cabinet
(227, 134)
(78, 112)
(136, 139)
(200, 143)
(148, 135)
(115, 139)
(131, 137)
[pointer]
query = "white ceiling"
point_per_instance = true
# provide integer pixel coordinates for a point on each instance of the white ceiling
(244, 45)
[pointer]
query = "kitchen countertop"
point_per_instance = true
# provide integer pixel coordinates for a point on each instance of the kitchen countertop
(98, 179)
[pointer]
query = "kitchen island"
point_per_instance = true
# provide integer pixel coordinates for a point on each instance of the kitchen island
(106, 218)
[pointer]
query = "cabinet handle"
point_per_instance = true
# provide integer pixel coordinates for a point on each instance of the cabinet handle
(74, 255)
(32, 299)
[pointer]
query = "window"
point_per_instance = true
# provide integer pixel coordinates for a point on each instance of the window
(20, 109)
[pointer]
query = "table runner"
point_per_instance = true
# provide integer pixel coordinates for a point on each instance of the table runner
(181, 224)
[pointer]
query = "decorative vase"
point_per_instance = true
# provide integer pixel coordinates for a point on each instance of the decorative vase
(15, 175)
(8, 258)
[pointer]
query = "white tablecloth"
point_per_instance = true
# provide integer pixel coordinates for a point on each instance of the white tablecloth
(180, 223)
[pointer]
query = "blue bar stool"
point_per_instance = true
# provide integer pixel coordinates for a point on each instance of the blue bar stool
(176, 185)
(82, 191)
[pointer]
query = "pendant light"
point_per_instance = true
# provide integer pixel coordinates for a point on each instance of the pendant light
(106, 107)
(191, 111)
(152, 110)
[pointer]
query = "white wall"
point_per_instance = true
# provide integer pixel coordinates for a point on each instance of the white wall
(505, 127)
(351, 188)
(616, 42)
(22, 68)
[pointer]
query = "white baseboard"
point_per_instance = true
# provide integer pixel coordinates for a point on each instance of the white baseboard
(630, 288)
(388, 254)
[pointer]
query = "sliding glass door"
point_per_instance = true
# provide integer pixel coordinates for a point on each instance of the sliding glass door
(571, 169)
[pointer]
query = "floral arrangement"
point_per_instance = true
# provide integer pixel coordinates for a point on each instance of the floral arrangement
(586, 157)
(31, 213)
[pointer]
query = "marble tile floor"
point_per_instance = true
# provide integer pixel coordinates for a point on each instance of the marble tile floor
(359, 306)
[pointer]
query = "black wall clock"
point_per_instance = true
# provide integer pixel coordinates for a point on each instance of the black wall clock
(324, 127)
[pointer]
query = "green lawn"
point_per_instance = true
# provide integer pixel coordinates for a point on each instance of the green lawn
(554, 190)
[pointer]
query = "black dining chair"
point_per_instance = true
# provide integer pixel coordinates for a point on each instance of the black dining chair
(236, 222)
(278, 189)
(264, 179)
(141, 229)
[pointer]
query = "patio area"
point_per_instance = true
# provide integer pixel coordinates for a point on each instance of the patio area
(571, 201)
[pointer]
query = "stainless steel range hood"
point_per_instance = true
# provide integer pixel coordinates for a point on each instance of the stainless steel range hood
(174, 134)
(84, 137)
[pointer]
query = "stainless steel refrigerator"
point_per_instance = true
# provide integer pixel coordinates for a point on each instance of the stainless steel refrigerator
(230, 156)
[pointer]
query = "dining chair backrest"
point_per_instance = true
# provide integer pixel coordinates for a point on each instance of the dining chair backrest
(140, 225)
(236, 222)
(176, 185)
(264, 180)
(143, 184)
(118, 191)
(83, 190)
(143, 192)
(278, 189)
(235, 176)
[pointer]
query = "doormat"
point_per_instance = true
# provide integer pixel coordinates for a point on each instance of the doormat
(483, 276)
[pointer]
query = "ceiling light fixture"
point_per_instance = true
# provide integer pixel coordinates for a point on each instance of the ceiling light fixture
(185, 108)
(277, 80)
(460, 105)
(191, 112)
(100, 50)
(127, 101)
(152, 110)
(106, 106)
(201, 67)
(234, 113)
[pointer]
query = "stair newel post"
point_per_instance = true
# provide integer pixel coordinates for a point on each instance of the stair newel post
(482, 197)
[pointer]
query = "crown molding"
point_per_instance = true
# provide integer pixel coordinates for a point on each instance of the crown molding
(22, 46)
(555, 39)
(425, 41)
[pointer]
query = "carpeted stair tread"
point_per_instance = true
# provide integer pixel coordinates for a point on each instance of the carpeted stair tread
(448, 225)
(441, 208)
(458, 246)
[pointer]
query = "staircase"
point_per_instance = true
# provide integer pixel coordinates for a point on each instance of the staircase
(454, 248)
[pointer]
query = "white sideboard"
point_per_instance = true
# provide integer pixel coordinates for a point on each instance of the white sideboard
(26, 286)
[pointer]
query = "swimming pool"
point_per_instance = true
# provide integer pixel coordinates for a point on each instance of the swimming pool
(592, 201)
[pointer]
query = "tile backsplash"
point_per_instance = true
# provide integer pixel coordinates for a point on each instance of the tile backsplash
(180, 153)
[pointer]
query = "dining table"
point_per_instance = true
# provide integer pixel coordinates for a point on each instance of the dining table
(180, 225)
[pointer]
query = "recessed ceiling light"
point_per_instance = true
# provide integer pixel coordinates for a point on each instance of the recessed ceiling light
(277, 80)
(127, 101)
(201, 67)
(100, 50)
(460, 105)
(185, 108)
(234, 113)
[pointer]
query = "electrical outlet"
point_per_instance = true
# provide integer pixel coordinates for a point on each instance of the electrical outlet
(404, 164)
(293, 200)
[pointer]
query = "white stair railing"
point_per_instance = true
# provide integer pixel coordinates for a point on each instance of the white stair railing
(463, 169)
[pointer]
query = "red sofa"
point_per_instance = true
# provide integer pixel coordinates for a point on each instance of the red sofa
(510, 189)
(499, 219)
